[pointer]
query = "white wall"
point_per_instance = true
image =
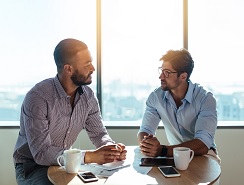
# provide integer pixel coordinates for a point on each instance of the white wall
(229, 142)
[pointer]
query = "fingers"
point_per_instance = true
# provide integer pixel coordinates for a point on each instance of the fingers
(122, 146)
(116, 147)
(148, 136)
(149, 145)
(113, 151)
(149, 154)
(109, 153)
(106, 159)
(122, 156)
(149, 141)
(119, 147)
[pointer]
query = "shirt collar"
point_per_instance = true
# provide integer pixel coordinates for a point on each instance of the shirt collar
(59, 87)
(80, 90)
(189, 93)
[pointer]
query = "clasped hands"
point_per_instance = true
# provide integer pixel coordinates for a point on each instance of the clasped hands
(106, 154)
(150, 146)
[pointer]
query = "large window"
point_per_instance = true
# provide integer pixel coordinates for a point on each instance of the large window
(216, 42)
(133, 35)
(29, 32)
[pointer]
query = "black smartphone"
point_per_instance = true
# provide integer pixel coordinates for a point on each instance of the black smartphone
(159, 161)
(169, 171)
(87, 176)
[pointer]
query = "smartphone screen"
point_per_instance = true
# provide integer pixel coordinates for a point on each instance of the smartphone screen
(169, 171)
(87, 176)
(167, 161)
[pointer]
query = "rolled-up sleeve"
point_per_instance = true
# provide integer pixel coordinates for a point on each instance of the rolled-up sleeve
(206, 123)
(151, 117)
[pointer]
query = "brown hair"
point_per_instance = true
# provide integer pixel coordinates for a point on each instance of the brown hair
(181, 61)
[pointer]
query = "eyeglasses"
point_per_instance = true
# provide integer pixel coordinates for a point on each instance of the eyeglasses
(165, 72)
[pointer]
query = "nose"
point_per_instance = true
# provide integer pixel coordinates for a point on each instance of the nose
(161, 76)
(92, 68)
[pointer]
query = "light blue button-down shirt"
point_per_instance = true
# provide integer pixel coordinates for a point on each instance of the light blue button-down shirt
(195, 118)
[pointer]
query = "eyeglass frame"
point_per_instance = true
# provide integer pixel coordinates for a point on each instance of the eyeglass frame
(168, 72)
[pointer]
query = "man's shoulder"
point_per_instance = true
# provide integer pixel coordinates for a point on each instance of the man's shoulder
(44, 83)
(202, 92)
(87, 88)
(87, 92)
(197, 88)
(43, 88)
(158, 92)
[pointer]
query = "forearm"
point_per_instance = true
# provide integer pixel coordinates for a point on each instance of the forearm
(98, 134)
(196, 145)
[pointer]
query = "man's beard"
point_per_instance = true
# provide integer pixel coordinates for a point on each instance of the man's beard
(166, 88)
(79, 79)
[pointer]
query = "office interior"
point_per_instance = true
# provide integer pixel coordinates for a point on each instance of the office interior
(138, 35)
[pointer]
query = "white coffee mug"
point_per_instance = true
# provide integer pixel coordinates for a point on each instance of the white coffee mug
(182, 157)
(71, 159)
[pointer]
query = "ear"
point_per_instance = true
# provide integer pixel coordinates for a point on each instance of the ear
(183, 76)
(68, 69)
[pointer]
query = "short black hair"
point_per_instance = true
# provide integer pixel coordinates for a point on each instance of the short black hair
(65, 50)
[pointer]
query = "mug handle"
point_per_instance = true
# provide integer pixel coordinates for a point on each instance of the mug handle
(192, 155)
(58, 160)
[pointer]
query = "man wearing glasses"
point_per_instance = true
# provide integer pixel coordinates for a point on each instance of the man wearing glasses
(187, 110)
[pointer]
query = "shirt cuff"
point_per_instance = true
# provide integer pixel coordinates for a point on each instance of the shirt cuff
(205, 138)
(83, 153)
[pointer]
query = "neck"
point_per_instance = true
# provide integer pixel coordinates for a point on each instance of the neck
(68, 86)
(179, 93)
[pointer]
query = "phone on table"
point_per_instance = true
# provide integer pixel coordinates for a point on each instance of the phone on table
(87, 176)
(169, 171)
(165, 161)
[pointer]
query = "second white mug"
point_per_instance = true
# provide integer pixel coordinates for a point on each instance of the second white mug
(182, 157)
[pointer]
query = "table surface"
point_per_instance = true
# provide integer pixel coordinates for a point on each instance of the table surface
(201, 170)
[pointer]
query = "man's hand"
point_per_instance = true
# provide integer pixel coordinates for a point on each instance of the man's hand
(150, 146)
(121, 148)
(106, 154)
